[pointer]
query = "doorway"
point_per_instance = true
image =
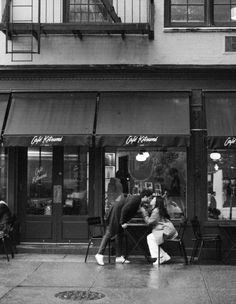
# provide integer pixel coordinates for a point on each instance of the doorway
(55, 197)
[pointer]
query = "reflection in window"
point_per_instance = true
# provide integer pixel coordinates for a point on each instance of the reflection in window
(222, 185)
(3, 175)
(187, 11)
(39, 181)
(75, 181)
(222, 10)
(162, 172)
(200, 12)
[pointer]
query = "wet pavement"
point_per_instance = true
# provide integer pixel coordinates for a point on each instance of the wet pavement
(41, 278)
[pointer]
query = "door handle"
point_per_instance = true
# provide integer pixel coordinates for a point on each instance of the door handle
(57, 194)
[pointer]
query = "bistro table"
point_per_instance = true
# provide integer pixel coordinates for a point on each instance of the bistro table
(136, 234)
(229, 231)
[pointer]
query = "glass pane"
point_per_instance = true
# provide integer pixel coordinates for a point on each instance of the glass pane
(222, 186)
(221, 1)
(86, 11)
(196, 2)
(3, 175)
(222, 13)
(39, 181)
(162, 172)
(178, 14)
(75, 200)
(179, 2)
(196, 14)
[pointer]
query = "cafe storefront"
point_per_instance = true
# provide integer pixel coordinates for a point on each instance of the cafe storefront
(62, 143)
(49, 136)
(145, 138)
(221, 141)
(61, 147)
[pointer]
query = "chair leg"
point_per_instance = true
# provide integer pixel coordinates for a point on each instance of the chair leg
(87, 251)
(194, 250)
(5, 249)
(184, 252)
(218, 249)
(200, 250)
(159, 255)
(109, 251)
(10, 245)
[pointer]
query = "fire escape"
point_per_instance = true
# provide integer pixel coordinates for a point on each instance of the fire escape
(42, 17)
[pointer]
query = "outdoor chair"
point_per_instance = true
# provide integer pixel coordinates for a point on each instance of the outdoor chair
(96, 230)
(178, 240)
(202, 240)
(6, 238)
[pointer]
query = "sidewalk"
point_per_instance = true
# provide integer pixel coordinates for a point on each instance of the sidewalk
(37, 278)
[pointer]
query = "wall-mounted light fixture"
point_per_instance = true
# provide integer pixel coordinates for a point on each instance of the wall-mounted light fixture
(233, 13)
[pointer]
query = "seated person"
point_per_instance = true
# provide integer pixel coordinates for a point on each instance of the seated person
(5, 215)
(162, 228)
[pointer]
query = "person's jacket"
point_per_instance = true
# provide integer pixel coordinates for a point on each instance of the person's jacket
(159, 223)
(130, 208)
(113, 216)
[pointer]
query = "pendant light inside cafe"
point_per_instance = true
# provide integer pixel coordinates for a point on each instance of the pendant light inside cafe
(142, 156)
(215, 156)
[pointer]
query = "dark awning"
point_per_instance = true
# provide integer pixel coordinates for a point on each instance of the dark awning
(143, 119)
(221, 120)
(61, 118)
(4, 97)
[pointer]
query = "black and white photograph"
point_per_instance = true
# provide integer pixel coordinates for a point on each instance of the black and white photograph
(118, 151)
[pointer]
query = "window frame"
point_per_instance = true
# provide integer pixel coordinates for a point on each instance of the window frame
(66, 13)
(208, 22)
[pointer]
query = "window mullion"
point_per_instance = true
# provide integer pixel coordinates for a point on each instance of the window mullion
(209, 6)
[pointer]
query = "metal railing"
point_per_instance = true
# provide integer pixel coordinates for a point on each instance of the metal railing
(90, 11)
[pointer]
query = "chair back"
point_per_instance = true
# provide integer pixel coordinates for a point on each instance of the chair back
(182, 228)
(95, 226)
(196, 227)
(96, 220)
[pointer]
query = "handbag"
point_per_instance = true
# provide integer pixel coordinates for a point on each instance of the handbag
(169, 230)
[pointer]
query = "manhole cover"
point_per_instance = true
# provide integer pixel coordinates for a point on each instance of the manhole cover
(79, 295)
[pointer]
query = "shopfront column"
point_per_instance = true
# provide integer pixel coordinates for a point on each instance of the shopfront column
(198, 157)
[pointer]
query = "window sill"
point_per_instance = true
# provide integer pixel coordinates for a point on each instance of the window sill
(199, 29)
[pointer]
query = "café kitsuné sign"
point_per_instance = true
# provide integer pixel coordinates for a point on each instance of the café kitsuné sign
(46, 140)
(230, 141)
(140, 140)
(222, 142)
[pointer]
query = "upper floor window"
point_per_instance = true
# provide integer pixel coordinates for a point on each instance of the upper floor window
(191, 13)
(89, 11)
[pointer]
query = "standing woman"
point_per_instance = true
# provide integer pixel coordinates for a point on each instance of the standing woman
(163, 228)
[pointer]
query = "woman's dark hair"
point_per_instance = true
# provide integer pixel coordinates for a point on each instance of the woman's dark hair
(146, 192)
(160, 204)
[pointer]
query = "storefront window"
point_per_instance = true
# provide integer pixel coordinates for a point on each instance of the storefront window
(3, 175)
(39, 181)
(76, 168)
(222, 185)
(164, 172)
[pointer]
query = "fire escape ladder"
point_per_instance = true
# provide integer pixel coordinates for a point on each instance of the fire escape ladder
(23, 34)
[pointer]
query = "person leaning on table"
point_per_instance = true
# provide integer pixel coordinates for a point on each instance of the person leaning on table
(133, 204)
(122, 211)
(158, 217)
(113, 231)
